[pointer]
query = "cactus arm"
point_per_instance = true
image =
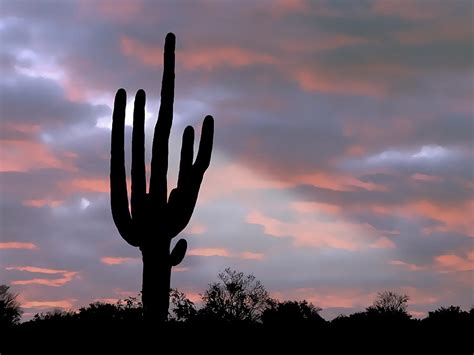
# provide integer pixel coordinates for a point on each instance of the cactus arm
(186, 161)
(203, 158)
(183, 198)
(138, 159)
(118, 182)
(159, 160)
(179, 250)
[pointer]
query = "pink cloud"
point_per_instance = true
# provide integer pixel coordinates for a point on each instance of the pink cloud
(417, 314)
(419, 296)
(324, 42)
(34, 269)
(442, 263)
(251, 255)
(85, 184)
(20, 127)
(193, 296)
(425, 177)
(317, 231)
(408, 266)
(112, 11)
(43, 202)
(238, 177)
(113, 260)
(209, 252)
(66, 276)
(457, 218)
(451, 262)
(17, 245)
(226, 56)
(337, 182)
(22, 155)
(319, 80)
(65, 304)
(315, 207)
(197, 228)
(355, 151)
(203, 59)
(247, 255)
(383, 243)
(329, 297)
(148, 55)
(453, 218)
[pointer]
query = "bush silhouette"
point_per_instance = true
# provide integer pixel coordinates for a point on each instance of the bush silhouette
(10, 311)
(184, 310)
(238, 306)
(235, 298)
(292, 313)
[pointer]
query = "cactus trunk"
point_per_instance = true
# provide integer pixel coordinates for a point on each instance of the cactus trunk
(156, 284)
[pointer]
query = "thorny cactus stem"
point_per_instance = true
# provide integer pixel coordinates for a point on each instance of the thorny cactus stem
(156, 219)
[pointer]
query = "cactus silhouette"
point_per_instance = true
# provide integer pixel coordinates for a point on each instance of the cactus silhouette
(156, 219)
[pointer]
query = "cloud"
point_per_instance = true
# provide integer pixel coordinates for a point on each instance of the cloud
(383, 243)
(251, 255)
(330, 298)
(42, 203)
(208, 252)
(123, 12)
(113, 260)
(64, 304)
(317, 80)
(101, 185)
(322, 232)
(197, 228)
(66, 276)
(451, 262)
(194, 59)
(222, 252)
(411, 267)
(20, 155)
(17, 245)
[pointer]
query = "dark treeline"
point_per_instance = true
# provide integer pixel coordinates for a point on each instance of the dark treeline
(236, 313)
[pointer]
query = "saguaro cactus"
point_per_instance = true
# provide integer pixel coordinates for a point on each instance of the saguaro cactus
(156, 219)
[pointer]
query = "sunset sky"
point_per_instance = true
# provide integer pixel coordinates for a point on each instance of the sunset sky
(343, 156)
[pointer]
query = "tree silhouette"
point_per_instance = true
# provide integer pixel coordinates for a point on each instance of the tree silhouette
(184, 309)
(56, 315)
(389, 302)
(235, 298)
(156, 219)
(449, 317)
(128, 310)
(291, 313)
(10, 311)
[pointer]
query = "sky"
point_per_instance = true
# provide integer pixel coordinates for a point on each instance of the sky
(343, 153)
